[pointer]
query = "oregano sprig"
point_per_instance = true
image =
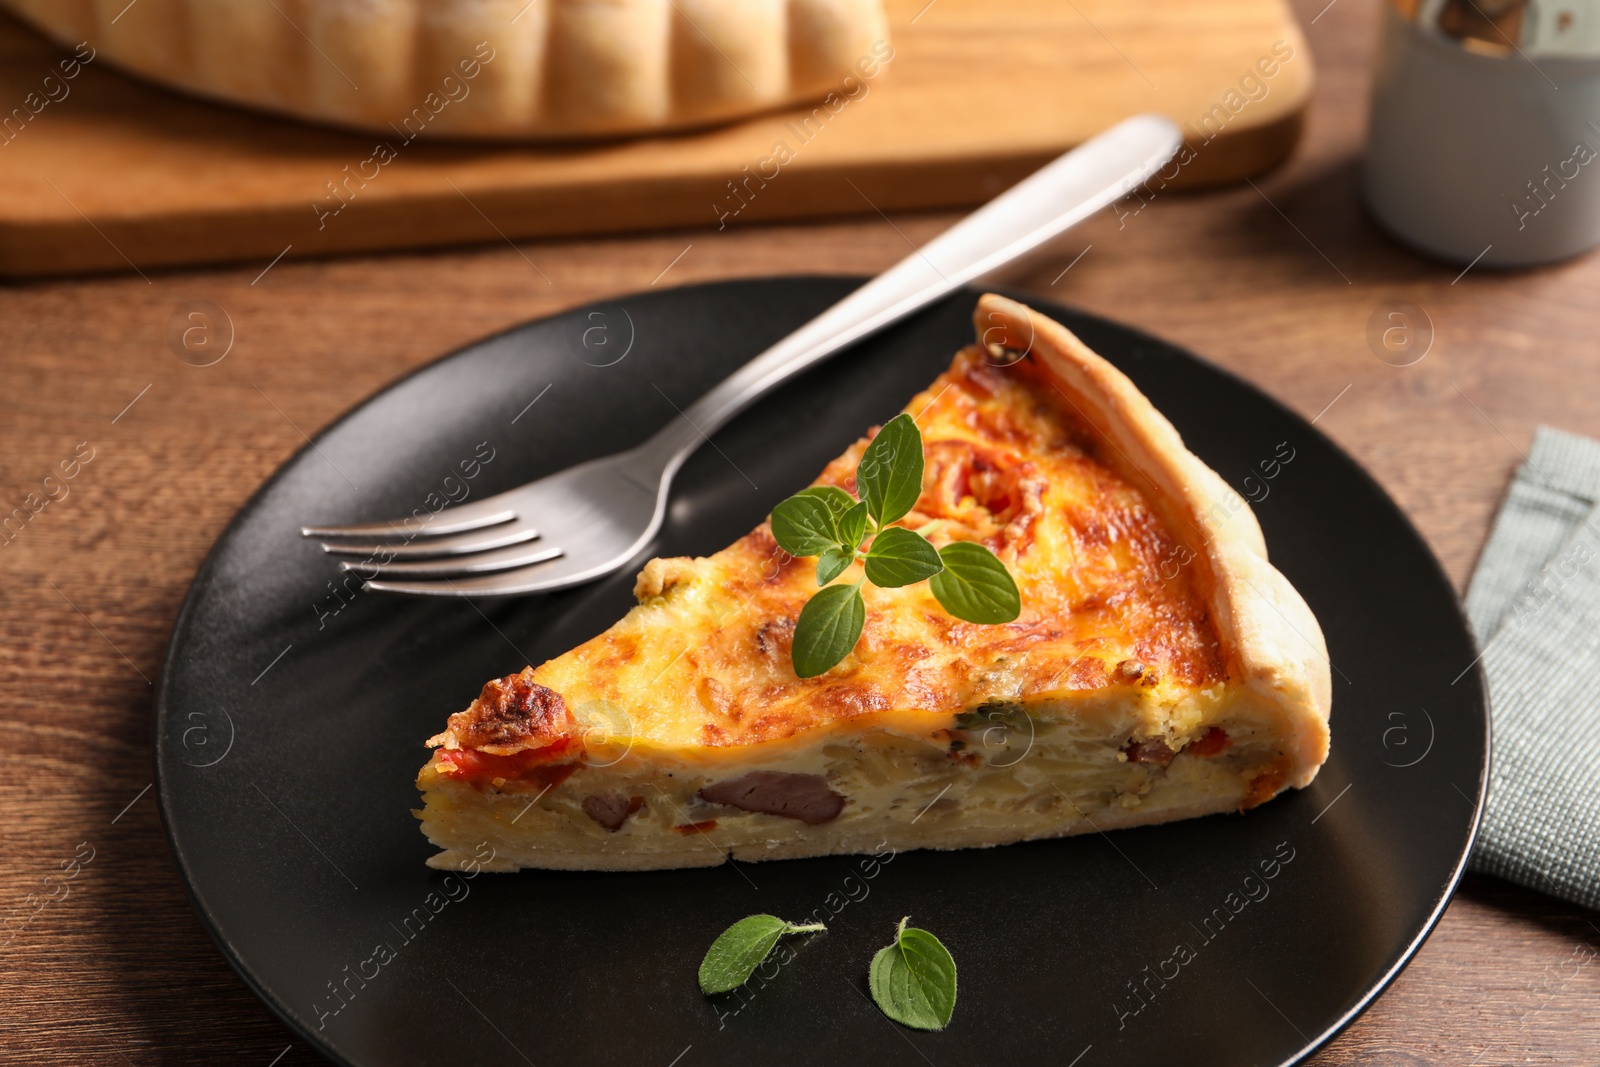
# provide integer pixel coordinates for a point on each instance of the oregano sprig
(967, 579)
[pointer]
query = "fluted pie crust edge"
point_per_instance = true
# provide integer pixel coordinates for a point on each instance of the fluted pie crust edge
(510, 69)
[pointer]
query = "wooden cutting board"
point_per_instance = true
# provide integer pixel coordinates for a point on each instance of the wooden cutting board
(118, 175)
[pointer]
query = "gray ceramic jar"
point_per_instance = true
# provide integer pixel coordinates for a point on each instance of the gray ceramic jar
(1484, 141)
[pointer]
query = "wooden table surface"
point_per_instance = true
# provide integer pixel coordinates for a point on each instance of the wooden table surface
(1277, 282)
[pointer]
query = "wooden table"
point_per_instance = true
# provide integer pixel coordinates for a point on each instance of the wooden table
(1277, 282)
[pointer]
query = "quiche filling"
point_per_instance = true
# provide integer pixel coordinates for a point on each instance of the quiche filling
(682, 735)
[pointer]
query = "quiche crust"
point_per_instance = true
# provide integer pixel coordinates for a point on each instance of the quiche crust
(1273, 642)
(526, 69)
(1161, 668)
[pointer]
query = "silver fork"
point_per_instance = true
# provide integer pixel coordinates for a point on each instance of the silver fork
(591, 519)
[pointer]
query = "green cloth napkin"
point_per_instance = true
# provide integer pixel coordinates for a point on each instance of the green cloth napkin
(1534, 602)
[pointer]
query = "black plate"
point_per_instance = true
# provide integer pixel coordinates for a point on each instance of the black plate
(289, 732)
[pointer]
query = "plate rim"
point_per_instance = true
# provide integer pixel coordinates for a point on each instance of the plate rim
(160, 706)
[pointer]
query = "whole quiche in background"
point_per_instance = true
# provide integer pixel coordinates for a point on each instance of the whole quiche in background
(487, 68)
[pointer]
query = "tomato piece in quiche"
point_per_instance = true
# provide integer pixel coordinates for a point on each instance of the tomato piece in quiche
(1160, 669)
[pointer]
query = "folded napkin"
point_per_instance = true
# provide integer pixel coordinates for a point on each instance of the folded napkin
(1534, 602)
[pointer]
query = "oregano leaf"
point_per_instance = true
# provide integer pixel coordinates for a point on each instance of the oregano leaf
(889, 477)
(804, 525)
(828, 628)
(832, 563)
(975, 585)
(837, 499)
(853, 526)
(913, 980)
(899, 556)
(739, 950)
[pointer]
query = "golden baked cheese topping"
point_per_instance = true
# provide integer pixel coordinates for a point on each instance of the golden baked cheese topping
(704, 661)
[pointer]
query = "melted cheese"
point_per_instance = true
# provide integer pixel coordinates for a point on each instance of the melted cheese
(702, 664)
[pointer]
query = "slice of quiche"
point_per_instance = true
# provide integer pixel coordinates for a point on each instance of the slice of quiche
(1160, 668)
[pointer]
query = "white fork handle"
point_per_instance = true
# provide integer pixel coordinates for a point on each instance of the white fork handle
(1043, 205)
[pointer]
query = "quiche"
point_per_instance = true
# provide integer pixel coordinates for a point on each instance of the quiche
(1160, 668)
(488, 68)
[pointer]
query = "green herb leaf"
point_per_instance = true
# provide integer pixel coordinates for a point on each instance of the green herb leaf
(828, 628)
(974, 585)
(827, 522)
(889, 477)
(853, 527)
(899, 556)
(739, 950)
(914, 980)
(804, 525)
(832, 563)
(837, 499)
